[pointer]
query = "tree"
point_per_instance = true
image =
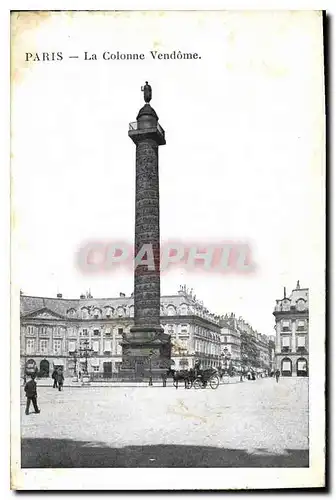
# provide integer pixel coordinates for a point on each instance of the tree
(249, 350)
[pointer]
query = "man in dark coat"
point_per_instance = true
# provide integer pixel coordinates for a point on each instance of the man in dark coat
(277, 375)
(54, 377)
(31, 394)
(60, 379)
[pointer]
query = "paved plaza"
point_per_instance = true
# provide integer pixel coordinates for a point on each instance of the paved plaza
(250, 424)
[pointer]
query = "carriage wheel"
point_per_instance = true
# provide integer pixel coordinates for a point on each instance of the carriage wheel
(214, 382)
(188, 384)
(197, 384)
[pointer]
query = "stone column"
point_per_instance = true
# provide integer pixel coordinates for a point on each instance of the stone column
(147, 232)
(146, 348)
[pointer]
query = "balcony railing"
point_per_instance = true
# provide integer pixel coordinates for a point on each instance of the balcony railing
(301, 349)
(119, 377)
(286, 349)
(133, 126)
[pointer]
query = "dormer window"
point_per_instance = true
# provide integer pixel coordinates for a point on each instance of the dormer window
(171, 311)
(108, 312)
(120, 311)
(183, 310)
(286, 305)
(96, 313)
(301, 305)
(85, 313)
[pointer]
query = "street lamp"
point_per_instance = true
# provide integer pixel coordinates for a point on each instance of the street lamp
(85, 351)
(75, 355)
(227, 356)
(151, 352)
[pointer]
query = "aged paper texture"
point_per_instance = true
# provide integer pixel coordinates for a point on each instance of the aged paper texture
(168, 248)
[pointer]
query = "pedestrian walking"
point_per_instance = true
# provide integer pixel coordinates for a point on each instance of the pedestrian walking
(60, 379)
(31, 395)
(277, 375)
(54, 377)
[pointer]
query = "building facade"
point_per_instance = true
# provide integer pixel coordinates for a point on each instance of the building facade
(230, 343)
(242, 347)
(292, 333)
(53, 330)
(271, 349)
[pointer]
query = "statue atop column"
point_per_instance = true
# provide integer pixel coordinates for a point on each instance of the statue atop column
(147, 90)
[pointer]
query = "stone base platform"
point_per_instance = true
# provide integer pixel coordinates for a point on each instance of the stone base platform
(146, 352)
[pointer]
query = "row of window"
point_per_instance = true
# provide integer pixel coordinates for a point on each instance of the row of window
(121, 311)
(285, 305)
(286, 341)
(107, 331)
(45, 330)
(72, 332)
(44, 346)
(301, 365)
(96, 313)
(301, 324)
(206, 347)
(204, 332)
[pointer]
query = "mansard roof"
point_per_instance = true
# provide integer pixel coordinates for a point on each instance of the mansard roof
(62, 306)
(291, 301)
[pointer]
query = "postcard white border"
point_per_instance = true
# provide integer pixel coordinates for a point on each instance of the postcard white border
(181, 479)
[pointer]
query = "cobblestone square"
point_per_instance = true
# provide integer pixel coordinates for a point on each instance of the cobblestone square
(250, 424)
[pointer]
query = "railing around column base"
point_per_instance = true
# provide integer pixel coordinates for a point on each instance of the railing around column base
(123, 377)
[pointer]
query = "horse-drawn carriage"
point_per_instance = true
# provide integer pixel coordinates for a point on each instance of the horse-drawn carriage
(197, 379)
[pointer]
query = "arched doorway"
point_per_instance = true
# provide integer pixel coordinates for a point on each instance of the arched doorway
(302, 367)
(44, 368)
(286, 367)
(107, 367)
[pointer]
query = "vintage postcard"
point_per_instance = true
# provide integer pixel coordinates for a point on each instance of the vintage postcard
(168, 250)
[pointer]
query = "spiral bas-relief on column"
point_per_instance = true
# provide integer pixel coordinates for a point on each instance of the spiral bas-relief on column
(147, 232)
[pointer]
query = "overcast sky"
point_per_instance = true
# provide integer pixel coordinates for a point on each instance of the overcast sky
(243, 159)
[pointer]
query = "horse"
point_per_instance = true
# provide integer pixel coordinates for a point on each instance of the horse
(181, 375)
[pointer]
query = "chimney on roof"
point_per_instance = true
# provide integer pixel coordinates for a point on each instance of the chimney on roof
(21, 292)
(284, 292)
(121, 294)
(298, 285)
(59, 295)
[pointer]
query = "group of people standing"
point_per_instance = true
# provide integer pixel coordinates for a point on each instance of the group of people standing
(58, 379)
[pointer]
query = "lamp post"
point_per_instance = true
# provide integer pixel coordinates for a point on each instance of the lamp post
(151, 352)
(227, 356)
(85, 351)
(75, 356)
